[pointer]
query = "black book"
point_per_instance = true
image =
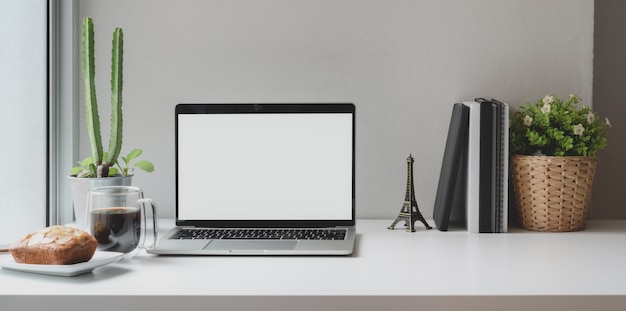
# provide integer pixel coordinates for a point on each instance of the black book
(493, 171)
(450, 199)
(487, 201)
(501, 166)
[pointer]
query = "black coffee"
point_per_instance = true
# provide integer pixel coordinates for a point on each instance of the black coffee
(117, 229)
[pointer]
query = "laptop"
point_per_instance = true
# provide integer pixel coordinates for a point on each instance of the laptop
(263, 179)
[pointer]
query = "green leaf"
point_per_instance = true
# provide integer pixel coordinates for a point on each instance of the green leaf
(145, 165)
(556, 133)
(93, 170)
(113, 171)
(537, 140)
(133, 155)
(76, 170)
(567, 143)
(87, 161)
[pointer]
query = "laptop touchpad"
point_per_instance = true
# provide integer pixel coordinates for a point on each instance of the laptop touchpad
(242, 245)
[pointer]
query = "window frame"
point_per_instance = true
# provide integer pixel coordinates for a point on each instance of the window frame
(63, 107)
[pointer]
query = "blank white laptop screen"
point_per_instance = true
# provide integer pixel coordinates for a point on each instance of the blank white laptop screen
(265, 166)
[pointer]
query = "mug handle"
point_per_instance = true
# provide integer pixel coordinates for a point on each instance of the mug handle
(155, 221)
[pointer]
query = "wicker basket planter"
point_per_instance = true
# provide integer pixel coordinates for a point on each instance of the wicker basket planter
(552, 193)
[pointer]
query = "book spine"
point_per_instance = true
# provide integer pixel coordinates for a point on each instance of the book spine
(499, 166)
(486, 170)
(473, 167)
(505, 168)
(450, 194)
(487, 167)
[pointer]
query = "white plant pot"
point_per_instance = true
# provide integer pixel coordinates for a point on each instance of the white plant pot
(80, 187)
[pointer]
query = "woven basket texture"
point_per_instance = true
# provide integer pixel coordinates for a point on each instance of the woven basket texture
(552, 193)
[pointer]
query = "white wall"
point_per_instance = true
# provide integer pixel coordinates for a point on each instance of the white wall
(403, 63)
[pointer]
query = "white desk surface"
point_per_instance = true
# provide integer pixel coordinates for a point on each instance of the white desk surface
(389, 269)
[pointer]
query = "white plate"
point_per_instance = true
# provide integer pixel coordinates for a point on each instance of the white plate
(5, 246)
(99, 259)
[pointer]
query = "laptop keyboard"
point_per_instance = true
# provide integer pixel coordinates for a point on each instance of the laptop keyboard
(259, 234)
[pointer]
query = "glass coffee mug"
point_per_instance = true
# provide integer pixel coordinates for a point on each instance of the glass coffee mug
(116, 217)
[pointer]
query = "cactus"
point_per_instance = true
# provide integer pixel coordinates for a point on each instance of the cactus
(91, 104)
(117, 58)
(101, 163)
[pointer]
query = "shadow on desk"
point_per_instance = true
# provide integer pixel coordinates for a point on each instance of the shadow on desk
(97, 275)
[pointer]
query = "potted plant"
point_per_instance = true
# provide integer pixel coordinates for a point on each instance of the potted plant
(102, 168)
(553, 145)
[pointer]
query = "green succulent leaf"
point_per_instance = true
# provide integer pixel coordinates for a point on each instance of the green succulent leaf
(76, 170)
(93, 170)
(145, 165)
(87, 161)
(113, 171)
(132, 155)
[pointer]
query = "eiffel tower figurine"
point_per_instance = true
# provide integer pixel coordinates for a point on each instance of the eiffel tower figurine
(410, 212)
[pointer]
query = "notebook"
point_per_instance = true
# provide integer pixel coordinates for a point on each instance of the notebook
(263, 179)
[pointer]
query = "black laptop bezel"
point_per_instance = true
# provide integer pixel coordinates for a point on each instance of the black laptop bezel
(199, 108)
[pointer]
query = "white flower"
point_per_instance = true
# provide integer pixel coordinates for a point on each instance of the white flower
(573, 96)
(607, 121)
(579, 129)
(546, 108)
(591, 117)
(528, 121)
(548, 99)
